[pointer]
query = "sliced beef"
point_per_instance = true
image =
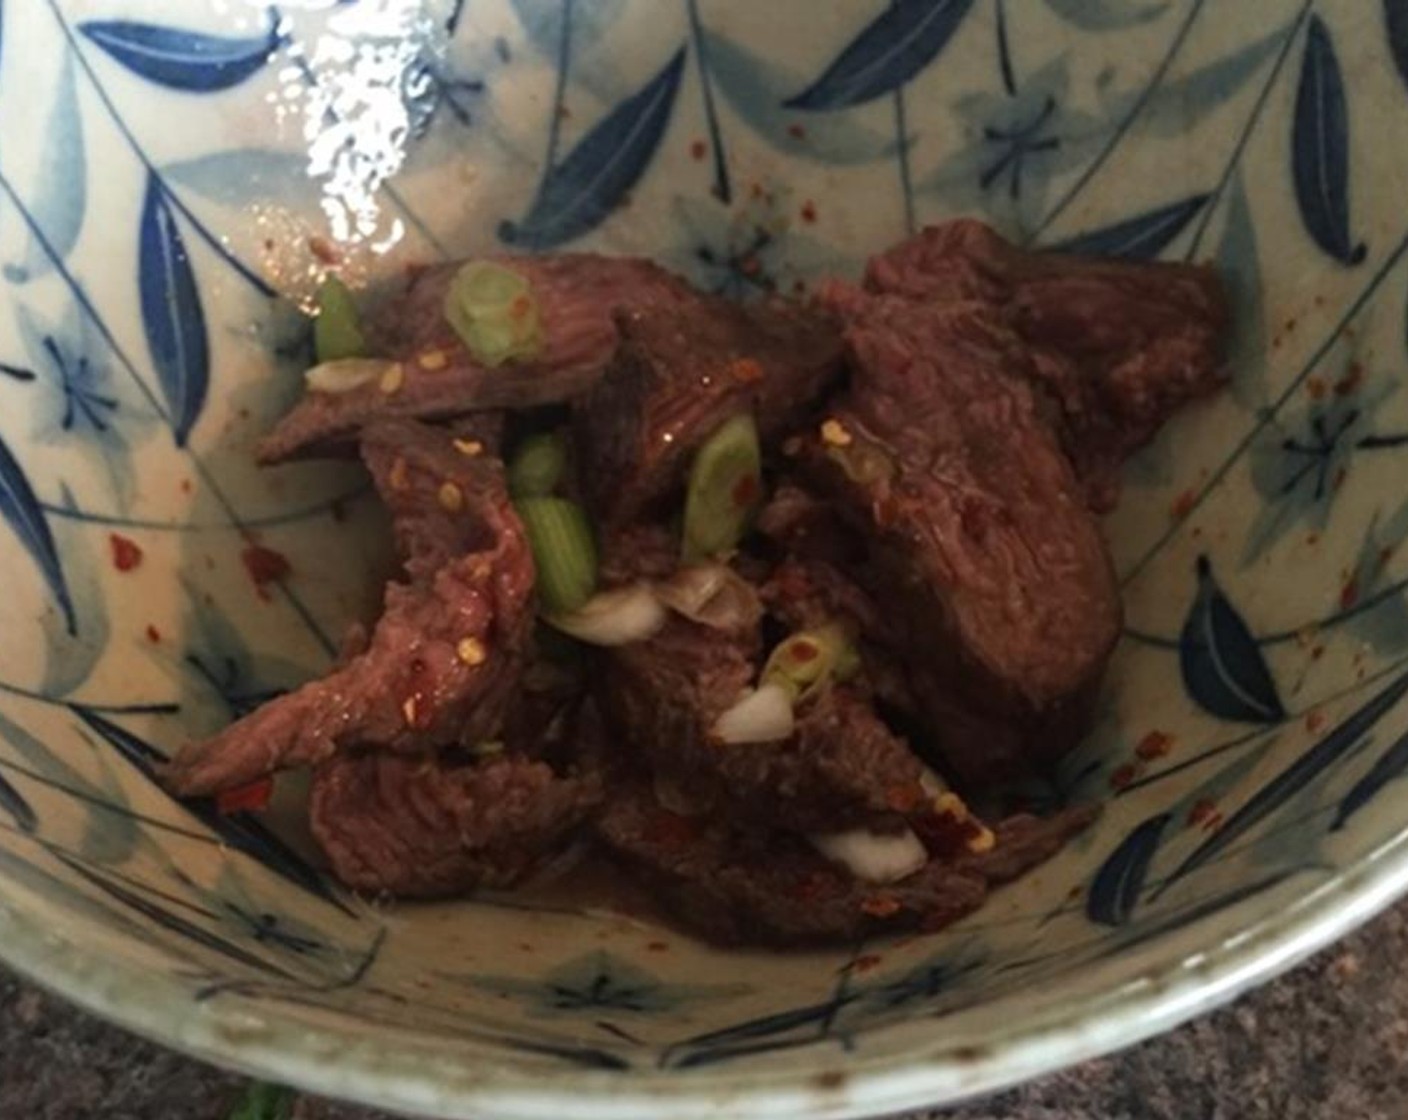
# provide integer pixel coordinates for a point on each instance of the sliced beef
(577, 295)
(421, 827)
(987, 567)
(681, 371)
(764, 887)
(442, 662)
(840, 766)
(1118, 346)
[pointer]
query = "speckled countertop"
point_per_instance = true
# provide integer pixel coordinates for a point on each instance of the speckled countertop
(1330, 1040)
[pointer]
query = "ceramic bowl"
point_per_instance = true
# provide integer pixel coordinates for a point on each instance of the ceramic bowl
(174, 178)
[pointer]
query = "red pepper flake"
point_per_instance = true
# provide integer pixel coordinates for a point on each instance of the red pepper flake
(867, 962)
(699, 149)
(1340, 476)
(1352, 379)
(1312, 539)
(750, 265)
(797, 131)
(746, 371)
(745, 491)
(809, 211)
(1314, 721)
(126, 553)
(1349, 594)
(153, 634)
(323, 249)
(1317, 653)
(658, 946)
(521, 307)
(265, 565)
(881, 905)
(904, 798)
(1203, 810)
(1317, 388)
(1123, 776)
(1385, 555)
(247, 798)
(1290, 324)
(186, 486)
(1183, 505)
(803, 651)
(756, 191)
(946, 834)
(1154, 745)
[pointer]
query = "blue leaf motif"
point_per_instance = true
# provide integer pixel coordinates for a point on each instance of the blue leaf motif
(1320, 148)
(1222, 666)
(167, 919)
(1116, 887)
(1107, 15)
(1389, 765)
(13, 802)
(754, 86)
(20, 508)
(1239, 264)
(61, 186)
(241, 831)
(179, 59)
(1142, 238)
(581, 191)
(887, 53)
(1335, 745)
(1396, 26)
(172, 316)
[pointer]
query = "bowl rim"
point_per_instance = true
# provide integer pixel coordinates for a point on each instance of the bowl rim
(318, 1058)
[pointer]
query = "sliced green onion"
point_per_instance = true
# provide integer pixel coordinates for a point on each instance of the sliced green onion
(563, 551)
(811, 660)
(337, 334)
(725, 488)
(537, 466)
(494, 311)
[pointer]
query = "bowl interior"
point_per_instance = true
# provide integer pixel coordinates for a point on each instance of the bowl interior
(188, 167)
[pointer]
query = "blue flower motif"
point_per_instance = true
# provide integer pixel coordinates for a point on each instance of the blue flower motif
(1017, 143)
(599, 982)
(1302, 461)
(430, 86)
(80, 401)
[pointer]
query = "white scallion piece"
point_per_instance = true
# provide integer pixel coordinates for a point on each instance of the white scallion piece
(873, 857)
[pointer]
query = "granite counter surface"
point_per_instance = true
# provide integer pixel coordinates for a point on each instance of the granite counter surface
(1329, 1040)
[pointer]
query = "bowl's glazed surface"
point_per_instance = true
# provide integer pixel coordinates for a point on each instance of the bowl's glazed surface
(167, 171)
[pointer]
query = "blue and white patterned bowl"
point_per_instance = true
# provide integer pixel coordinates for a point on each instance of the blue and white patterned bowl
(168, 170)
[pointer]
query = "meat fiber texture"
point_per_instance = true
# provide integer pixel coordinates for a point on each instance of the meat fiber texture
(443, 661)
(1116, 346)
(766, 887)
(425, 828)
(681, 370)
(984, 560)
(577, 295)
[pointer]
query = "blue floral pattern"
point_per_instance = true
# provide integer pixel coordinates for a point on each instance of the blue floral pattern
(1256, 724)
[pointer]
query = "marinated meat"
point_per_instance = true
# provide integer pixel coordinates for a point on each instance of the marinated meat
(1117, 346)
(421, 827)
(983, 559)
(681, 371)
(664, 695)
(577, 295)
(936, 442)
(765, 887)
(441, 664)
